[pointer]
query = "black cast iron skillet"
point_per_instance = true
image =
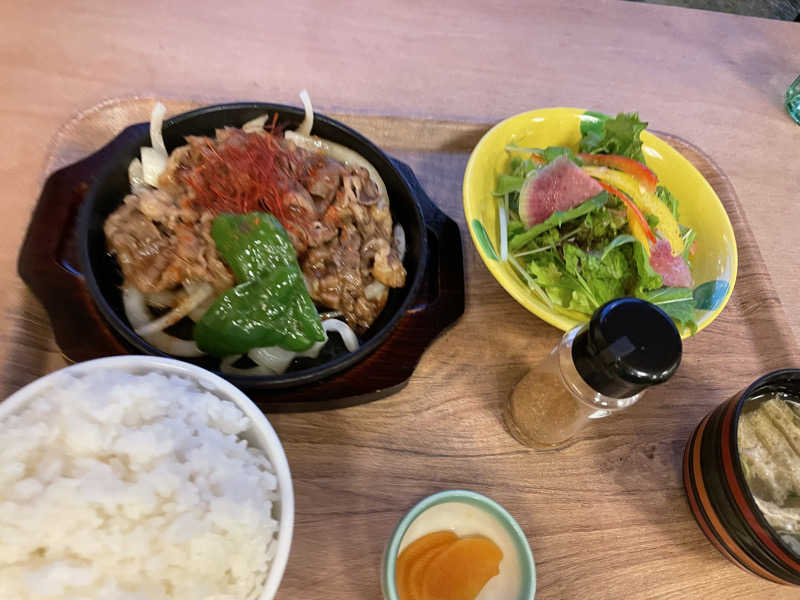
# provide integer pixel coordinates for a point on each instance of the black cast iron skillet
(103, 276)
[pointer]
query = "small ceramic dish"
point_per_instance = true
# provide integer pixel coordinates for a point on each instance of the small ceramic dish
(713, 266)
(465, 513)
(260, 434)
(719, 496)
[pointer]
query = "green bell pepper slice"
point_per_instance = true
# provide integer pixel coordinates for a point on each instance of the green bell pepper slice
(270, 306)
(252, 245)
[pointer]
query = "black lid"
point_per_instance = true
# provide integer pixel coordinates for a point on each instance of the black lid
(629, 345)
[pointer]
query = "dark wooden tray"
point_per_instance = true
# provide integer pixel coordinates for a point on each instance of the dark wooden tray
(615, 493)
(48, 263)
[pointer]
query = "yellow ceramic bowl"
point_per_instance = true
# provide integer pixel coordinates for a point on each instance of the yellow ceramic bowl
(713, 265)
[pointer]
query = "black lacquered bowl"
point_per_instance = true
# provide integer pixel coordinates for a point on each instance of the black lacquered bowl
(103, 276)
(718, 493)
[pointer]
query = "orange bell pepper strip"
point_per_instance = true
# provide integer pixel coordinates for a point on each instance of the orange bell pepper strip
(648, 203)
(627, 165)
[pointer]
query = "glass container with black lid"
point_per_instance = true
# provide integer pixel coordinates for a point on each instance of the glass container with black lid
(598, 368)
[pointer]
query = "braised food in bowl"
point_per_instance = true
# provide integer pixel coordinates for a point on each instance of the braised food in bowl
(251, 241)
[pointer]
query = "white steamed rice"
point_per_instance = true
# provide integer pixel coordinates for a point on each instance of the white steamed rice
(134, 487)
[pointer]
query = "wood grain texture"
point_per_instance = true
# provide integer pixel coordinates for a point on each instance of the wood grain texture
(606, 514)
(712, 78)
(606, 517)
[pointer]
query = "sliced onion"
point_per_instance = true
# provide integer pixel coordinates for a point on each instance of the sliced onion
(255, 125)
(226, 366)
(197, 294)
(156, 121)
(374, 290)
(165, 299)
(274, 358)
(400, 241)
(153, 164)
(136, 174)
(139, 316)
(308, 122)
(340, 153)
(348, 336)
(278, 359)
(135, 307)
(154, 158)
(201, 309)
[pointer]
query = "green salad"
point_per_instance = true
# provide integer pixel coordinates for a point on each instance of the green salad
(585, 225)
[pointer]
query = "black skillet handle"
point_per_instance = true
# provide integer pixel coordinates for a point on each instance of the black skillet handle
(441, 296)
(48, 261)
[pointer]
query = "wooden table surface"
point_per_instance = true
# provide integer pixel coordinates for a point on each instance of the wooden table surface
(714, 79)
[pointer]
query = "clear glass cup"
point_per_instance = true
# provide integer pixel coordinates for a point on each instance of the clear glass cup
(793, 100)
(552, 402)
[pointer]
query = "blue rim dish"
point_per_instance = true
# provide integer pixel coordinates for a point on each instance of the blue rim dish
(527, 565)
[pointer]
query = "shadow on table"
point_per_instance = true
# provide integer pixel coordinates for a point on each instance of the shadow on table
(639, 455)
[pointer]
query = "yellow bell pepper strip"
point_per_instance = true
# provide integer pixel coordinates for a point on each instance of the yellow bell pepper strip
(648, 203)
(636, 229)
(640, 229)
(627, 165)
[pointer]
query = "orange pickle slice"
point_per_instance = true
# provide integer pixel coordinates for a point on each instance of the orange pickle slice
(418, 570)
(461, 570)
(417, 554)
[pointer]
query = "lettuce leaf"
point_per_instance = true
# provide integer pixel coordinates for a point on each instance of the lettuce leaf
(678, 303)
(598, 228)
(583, 281)
(667, 198)
(624, 238)
(617, 136)
(507, 184)
(688, 235)
(549, 154)
(514, 228)
(647, 278)
(553, 152)
(601, 279)
(580, 281)
(562, 289)
(520, 167)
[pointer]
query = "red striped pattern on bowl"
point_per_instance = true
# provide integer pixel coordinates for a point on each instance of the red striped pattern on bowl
(718, 494)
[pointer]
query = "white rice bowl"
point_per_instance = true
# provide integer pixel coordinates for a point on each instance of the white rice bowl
(118, 483)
